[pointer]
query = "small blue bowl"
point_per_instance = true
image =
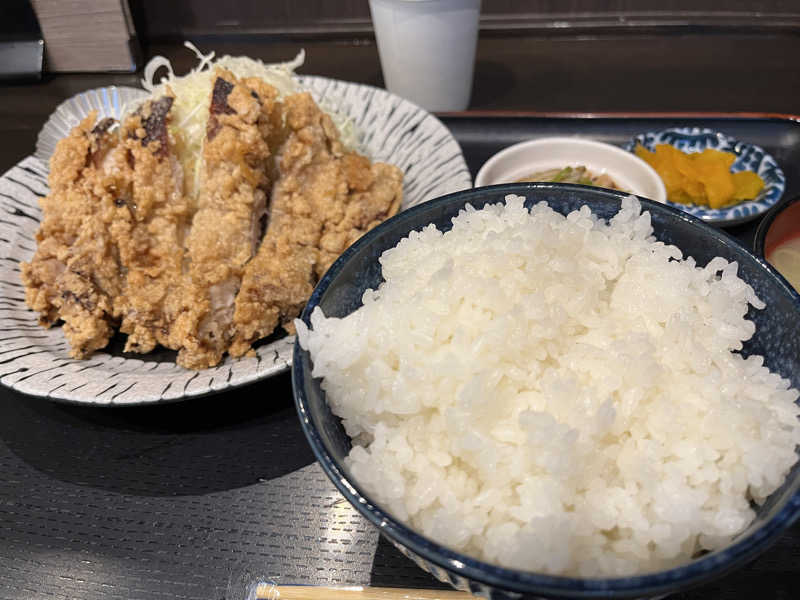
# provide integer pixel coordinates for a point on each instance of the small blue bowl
(777, 339)
(749, 157)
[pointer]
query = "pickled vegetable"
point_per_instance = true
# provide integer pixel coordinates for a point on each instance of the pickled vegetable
(579, 174)
(701, 178)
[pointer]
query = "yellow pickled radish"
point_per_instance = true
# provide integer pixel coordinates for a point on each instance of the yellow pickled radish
(701, 178)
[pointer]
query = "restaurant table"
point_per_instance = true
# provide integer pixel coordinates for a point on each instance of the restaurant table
(196, 499)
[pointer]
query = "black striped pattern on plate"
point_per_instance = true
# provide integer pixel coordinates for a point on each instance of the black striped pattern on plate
(109, 101)
(35, 361)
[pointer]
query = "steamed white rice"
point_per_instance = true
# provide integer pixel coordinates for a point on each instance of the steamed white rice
(557, 394)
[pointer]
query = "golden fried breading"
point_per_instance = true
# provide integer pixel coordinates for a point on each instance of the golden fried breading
(128, 241)
(375, 193)
(227, 227)
(324, 199)
(150, 226)
(74, 274)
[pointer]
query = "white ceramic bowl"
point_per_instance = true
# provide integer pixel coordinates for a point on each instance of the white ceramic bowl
(627, 170)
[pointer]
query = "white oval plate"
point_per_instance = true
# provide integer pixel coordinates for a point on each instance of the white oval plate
(35, 361)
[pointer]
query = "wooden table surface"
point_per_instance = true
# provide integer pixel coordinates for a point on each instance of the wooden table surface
(686, 71)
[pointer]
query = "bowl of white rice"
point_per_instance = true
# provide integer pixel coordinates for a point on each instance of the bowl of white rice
(556, 390)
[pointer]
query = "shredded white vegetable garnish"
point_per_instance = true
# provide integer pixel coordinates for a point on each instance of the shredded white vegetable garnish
(193, 97)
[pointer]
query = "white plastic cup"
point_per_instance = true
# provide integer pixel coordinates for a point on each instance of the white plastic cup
(427, 49)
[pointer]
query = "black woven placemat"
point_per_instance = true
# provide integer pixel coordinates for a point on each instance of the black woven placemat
(195, 499)
(174, 501)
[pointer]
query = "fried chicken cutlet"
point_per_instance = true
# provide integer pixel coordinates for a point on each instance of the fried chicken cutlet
(203, 254)
(74, 275)
(324, 200)
(150, 226)
(227, 226)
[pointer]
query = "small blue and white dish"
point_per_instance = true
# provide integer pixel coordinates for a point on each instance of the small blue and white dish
(749, 157)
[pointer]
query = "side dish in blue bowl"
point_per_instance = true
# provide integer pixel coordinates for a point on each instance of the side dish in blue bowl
(744, 157)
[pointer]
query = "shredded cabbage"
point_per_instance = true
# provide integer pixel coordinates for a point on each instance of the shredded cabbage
(193, 96)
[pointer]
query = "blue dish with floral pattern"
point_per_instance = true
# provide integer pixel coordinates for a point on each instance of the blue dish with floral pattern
(749, 157)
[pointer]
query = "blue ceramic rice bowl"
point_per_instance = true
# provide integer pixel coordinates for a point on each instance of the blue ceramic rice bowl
(777, 339)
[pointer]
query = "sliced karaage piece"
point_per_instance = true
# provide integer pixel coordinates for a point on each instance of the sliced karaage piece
(150, 226)
(228, 224)
(74, 274)
(324, 199)
(375, 191)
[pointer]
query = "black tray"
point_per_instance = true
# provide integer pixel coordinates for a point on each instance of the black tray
(200, 498)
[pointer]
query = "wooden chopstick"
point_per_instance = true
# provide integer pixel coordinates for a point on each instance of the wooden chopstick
(268, 591)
